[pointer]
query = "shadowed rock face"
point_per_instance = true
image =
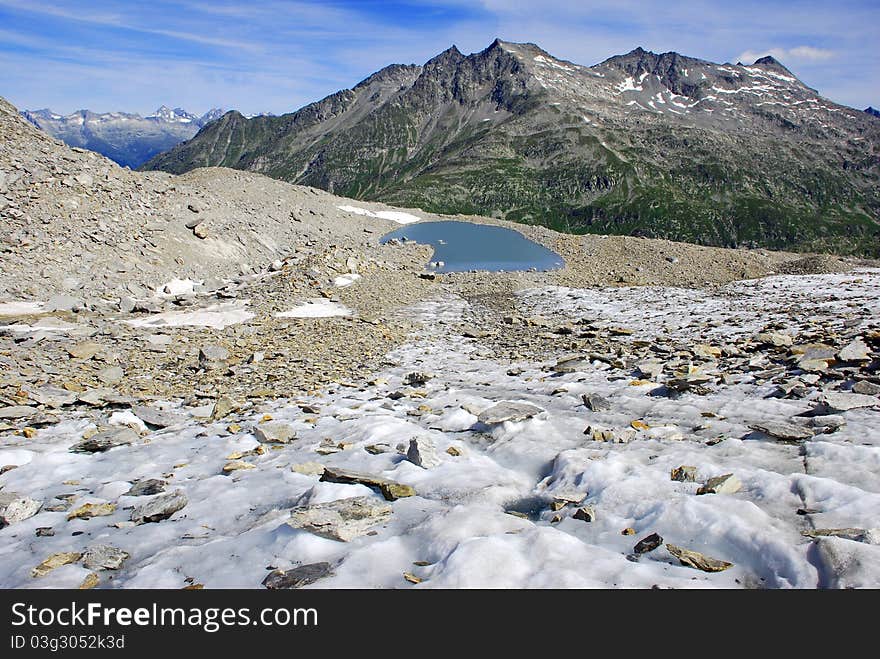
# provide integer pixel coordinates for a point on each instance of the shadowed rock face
(647, 144)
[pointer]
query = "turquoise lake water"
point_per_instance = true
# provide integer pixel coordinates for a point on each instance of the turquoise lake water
(463, 246)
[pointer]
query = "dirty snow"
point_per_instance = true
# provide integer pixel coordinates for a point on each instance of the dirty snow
(316, 308)
(456, 528)
(217, 316)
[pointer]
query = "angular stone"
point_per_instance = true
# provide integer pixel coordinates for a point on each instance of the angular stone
(106, 440)
(390, 489)
(104, 557)
(157, 418)
(89, 510)
(724, 484)
(277, 432)
(508, 411)
(162, 507)
(857, 351)
(237, 465)
(648, 543)
(416, 379)
(15, 508)
(572, 365)
(146, 487)
(842, 402)
(422, 452)
(585, 514)
(200, 230)
(297, 577)
(111, 375)
(866, 388)
(777, 339)
(697, 560)
(707, 351)
(868, 536)
(596, 403)
(650, 369)
(343, 520)
(212, 357)
(55, 561)
(308, 468)
(85, 350)
(684, 474)
(90, 581)
(222, 407)
(17, 412)
(784, 431)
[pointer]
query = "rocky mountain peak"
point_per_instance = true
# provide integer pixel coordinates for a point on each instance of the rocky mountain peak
(770, 63)
(872, 111)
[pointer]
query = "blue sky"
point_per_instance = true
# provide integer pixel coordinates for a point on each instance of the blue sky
(279, 55)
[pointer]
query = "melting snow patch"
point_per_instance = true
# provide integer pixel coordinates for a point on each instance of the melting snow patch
(346, 280)
(216, 316)
(395, 216)
(20, 308)
(316, 308)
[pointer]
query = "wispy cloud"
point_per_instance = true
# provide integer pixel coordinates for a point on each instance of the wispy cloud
(796, 54)
(278, 55)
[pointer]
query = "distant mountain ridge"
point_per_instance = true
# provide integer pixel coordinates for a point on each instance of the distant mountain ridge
(126, 138)
(657, 145)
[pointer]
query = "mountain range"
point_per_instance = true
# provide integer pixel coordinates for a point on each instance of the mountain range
(657, 145)
(128, 139)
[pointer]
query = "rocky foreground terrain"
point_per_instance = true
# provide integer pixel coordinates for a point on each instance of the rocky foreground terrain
(219, 379)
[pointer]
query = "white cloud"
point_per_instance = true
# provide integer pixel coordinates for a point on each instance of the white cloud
(796, 54)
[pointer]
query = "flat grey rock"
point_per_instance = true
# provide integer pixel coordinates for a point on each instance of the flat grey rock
(508, 411)
(104, 557)
(146, 487)
(156, 417)
(343, 520)
(17, 412)
(106, 440)
(786, 431)
(297, 577)
(160, 508)
(15, 508)
(843, 402)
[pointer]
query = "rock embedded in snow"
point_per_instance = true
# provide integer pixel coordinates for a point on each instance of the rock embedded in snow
(160, 508)
(89, 510)
(684, 474)
(104, 557)
(297, 577)
(707, 351)
(417, 379)
(508, 411)
(277, 432)
(596, 403)
(237, 465)
(308, 468)
(868, 536)
(390, 489)
(422, 452)
(843, 402)
(146, 487)
(15, 508)
(106, 440)
(697, 560)
(783, 431)
(156, 417)
(648, 543)
(55, 561)
(585, 514)
(223, 406)
(724, 484)
(343, 520)
(650, 369)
